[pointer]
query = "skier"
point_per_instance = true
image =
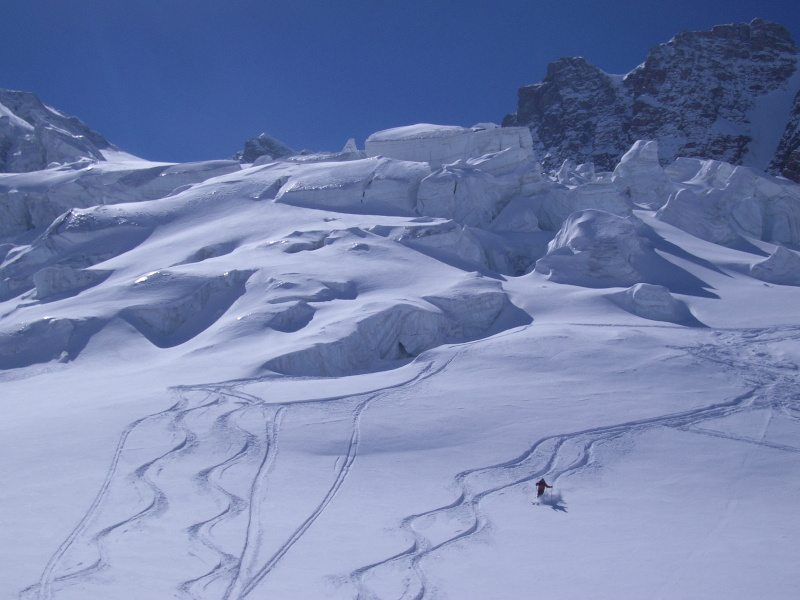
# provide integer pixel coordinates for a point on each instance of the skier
(540, 486)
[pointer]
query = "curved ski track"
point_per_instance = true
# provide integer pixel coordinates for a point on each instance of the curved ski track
(742, 353)
(241, 430)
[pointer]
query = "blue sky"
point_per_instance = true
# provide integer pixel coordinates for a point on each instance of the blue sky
(181, 80)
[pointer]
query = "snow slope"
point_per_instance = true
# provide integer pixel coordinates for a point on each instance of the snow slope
(340, 377)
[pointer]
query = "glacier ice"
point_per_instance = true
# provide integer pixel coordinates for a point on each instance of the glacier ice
(378, 184)
(717, 202)
(652, 302)
(441, 144)
(782, 267)
(640, 176)
(594, 248)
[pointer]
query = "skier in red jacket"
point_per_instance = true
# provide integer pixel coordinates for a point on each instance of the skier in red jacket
(540, 486)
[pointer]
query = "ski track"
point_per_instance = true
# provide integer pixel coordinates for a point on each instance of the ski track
(232, 576)
(235, 573)
(744, 354)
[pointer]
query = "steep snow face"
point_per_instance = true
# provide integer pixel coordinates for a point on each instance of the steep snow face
(724, 94)
(32, 135)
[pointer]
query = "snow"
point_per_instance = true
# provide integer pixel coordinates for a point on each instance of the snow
(444, 144)
(770, 114)
(340, 377)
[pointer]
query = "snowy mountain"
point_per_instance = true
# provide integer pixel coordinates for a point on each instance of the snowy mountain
(263, 146)
(32, 135)
(731, 94)
(341, 375)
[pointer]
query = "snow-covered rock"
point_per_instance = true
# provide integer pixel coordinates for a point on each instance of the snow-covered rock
(33, 135)
(595, 249)
(442, 144)
(782, 267)
(725, 94)
(263, 147)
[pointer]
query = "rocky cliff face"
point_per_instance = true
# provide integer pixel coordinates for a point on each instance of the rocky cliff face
(787, 158)
(33, 135)
(724, 94)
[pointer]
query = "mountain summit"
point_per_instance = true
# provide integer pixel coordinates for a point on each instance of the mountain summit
(731, 94)
(33, 135)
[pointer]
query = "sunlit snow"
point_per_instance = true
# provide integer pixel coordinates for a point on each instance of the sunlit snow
(340, 376)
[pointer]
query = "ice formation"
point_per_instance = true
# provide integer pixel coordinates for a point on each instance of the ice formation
(782, 267)
(440, 145)
(652, 302)
(275, 329)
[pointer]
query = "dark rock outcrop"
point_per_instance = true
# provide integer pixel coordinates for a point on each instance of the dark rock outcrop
(703, 94)
(263, 145)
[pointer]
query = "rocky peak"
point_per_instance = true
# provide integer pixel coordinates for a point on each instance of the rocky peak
(33, 135)
(700, 94)
(263, 145)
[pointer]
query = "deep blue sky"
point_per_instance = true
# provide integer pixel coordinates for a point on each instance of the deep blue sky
(181, 80)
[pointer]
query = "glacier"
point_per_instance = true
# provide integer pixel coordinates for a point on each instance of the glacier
(339, 375)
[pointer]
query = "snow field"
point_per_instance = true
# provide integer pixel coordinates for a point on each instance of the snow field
(323, 377)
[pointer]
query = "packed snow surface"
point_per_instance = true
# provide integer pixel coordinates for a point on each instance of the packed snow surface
(340, 376)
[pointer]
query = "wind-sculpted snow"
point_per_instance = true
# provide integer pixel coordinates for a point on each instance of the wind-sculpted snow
(596, 249)
(401, 348)
(45, 340)
(641, 177)
(60, 280)
(469, 196)
(559, 202)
